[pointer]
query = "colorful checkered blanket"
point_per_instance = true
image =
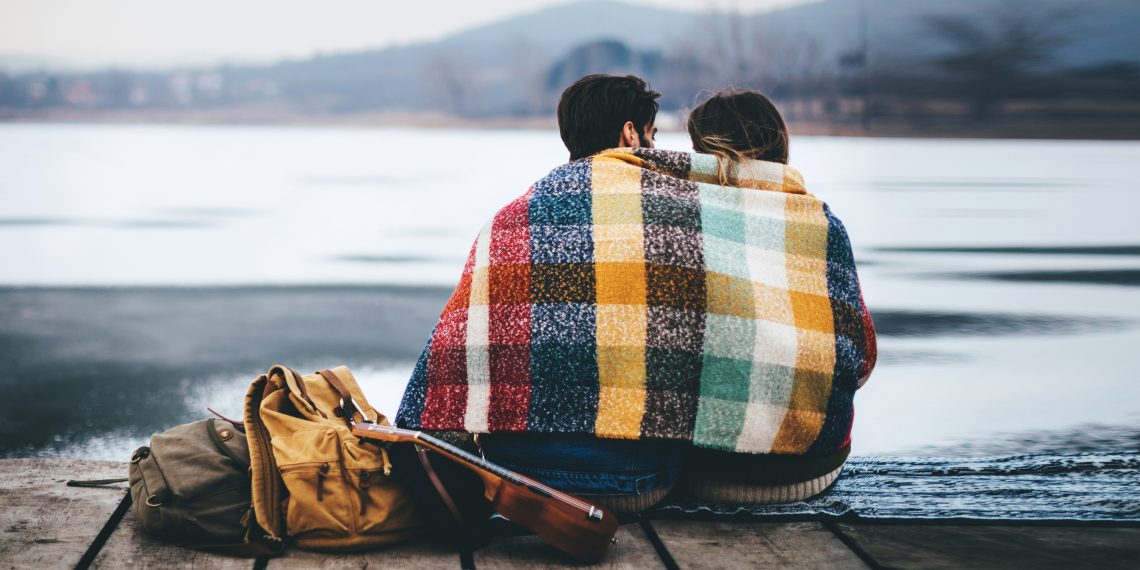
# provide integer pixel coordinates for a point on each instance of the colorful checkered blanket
(631, 295)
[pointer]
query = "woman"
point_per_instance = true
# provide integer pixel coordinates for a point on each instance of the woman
(743, 130)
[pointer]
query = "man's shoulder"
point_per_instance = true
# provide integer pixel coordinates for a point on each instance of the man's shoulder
(575, 173)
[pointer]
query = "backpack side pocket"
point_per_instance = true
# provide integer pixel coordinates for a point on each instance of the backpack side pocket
(318, 505)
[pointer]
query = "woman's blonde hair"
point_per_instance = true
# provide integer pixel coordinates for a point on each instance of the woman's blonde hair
(736, 125)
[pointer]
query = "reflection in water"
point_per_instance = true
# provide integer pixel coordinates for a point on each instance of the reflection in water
(136, 224)
(975, 213)
(935, 324)
(391, 258)
(1079, 439)
(17, 222)
(370, 181)
(1023, 250)
(210, 212)
(974, 184)
(1127, 277)
(427, 232)
(899, 356)
(161, 224)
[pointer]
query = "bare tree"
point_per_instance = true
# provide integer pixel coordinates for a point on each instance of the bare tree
(452, 77)
(729, 47)
(990, 54)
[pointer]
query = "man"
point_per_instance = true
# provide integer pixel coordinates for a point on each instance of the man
(603, 111)
(596, 113)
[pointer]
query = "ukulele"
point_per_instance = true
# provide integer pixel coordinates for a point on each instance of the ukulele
(574, 526)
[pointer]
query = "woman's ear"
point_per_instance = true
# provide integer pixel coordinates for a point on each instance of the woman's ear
(629, 138)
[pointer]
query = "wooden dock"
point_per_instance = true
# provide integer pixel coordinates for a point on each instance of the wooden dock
(45, 524)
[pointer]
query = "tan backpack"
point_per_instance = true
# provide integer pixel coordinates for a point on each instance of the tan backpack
(313, 481)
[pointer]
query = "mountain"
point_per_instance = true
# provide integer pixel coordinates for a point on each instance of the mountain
(559, 29)
(492, 58)
(1098, 31)
(504, 67)
(518, 65)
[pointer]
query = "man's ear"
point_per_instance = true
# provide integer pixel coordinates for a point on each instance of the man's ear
(629, 138)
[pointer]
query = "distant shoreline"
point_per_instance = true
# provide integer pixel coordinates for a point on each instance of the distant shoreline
(1022, 128)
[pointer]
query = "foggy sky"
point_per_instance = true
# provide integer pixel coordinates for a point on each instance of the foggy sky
(159, 33)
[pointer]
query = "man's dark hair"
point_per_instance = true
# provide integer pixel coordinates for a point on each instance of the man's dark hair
(593, 110)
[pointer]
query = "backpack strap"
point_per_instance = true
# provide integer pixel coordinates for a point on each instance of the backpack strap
(240, 425)
(94, 482)
(346, 400)
(438, 484)
(256, 543)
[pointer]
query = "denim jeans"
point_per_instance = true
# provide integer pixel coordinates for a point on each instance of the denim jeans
(587, 465)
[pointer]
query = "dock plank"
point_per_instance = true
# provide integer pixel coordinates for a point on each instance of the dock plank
(423, 554)
(43, 522)
(946, 546)
(632, 551)
(754, 545)
(130, 547)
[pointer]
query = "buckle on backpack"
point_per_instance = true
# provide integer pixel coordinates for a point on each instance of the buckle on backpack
(350, 407)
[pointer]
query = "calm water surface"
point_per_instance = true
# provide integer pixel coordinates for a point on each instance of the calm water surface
(1004, 276)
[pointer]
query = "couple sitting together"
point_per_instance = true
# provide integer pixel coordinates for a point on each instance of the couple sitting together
(643, 319)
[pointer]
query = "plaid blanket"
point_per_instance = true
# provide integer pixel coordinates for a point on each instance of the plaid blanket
(631, 295)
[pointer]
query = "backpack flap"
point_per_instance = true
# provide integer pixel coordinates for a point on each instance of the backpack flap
(265, 483)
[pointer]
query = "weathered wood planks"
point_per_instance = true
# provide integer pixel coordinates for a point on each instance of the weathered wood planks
(979, 547)
(420, 554)
(724, 544)
(632, 551)
(129, 547)
(43, 522)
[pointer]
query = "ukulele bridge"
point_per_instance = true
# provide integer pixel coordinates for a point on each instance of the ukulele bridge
(594, 514)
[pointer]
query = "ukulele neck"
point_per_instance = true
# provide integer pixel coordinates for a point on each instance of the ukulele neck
(377, 431)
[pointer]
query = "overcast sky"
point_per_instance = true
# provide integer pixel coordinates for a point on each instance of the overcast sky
(144, 33)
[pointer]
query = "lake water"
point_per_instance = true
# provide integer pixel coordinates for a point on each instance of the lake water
(148, 271)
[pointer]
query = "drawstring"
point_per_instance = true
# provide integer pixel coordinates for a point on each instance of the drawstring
(238, 423)
(387, 462)
(365, 483)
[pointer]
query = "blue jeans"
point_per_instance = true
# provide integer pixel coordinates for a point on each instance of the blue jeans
(586, 465)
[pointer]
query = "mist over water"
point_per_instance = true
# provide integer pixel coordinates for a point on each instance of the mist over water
(150, 271)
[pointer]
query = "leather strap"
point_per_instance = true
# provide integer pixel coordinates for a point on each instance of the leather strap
(438, 484)
(337, 385)
(342, 391)
(238, 424)
(305, 392)
(94, 482)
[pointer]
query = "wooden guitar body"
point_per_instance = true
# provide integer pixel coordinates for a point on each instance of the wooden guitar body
(560, 525)
(570, 524)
